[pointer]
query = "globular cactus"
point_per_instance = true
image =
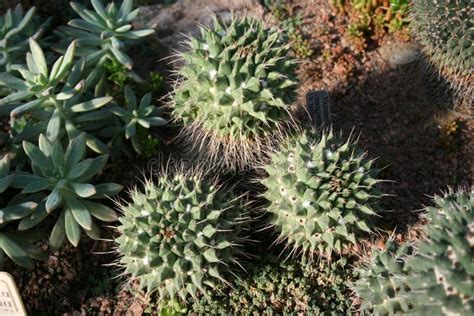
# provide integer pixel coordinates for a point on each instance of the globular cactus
(445, 29)
(321, 192)
(181, 236)
(382, 285)
(438, 278)
(236, 89)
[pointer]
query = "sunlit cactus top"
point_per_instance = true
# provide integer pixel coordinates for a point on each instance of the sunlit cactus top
(238, 81)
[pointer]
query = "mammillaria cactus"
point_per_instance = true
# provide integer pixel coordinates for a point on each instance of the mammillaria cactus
(235, 90)
(382, 285)
(321, 192)
(438, 278)
(445, 30)
(180, 236)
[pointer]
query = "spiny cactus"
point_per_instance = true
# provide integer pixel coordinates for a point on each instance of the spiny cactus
(445, 29)
(321, 192)
(438, 278)
(444, 265)
(236, 89)
(382, 285)
(180, 236)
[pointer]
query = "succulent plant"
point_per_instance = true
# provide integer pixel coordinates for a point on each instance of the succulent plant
(445, 30)
(16, 27)
(321, 192)
(17, 245)
(382, 285)
(64, 177)
(235, 90)
(136, 116)
(437, 278)
(5, 177)
(20, 248)
(180, 236)
(105, 30)
(55, 99)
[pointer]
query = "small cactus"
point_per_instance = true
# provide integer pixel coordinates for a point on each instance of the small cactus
(235, 90)
(180, 236)
(382, 285)
(438, 278)
(321, 192)
(445, 30)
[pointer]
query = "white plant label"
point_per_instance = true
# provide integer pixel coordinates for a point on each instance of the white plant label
(10, 300)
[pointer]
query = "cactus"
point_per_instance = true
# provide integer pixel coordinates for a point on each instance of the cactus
(445, 30)
(236, 89)
(382, 285)
(180, 236)
(438, 278)
(321, 192)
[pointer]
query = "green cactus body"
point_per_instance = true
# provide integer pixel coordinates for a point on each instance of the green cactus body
(444, 265)
(321, 191)
(180, 236)
(437, 279)
(237, 86)
(445, 29)
(382, 285)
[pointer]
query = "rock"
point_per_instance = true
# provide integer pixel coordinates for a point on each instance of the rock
(399, 54)
(173, 23)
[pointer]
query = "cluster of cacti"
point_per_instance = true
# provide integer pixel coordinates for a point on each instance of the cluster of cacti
(181, 236)
(438, 277)
(321, 191)
(445, 29)
(235, 90)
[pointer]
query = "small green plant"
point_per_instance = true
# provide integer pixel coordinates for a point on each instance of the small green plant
(137, 116)
(16, 27)
(236, 89)
(321, 192)
(436, 278)
(272, 287)
(444, 30)
(180, 236)
(63, 177)
(292, 26)
(105, 30)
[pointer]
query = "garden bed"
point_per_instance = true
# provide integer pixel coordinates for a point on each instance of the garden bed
(392, 108)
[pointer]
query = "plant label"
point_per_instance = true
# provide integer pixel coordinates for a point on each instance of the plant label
(10, 300)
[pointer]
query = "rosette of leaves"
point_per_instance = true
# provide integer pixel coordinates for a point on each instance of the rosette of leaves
(54, 99)
(137, 115)
(382, 285)
(445, 30)
(181, 236)
(105, 29)
(17, 245)
(16, 27)
(321, 191)
(64, 178)
(234, 91)
(437, 278)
